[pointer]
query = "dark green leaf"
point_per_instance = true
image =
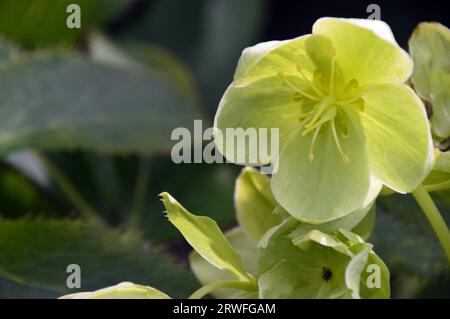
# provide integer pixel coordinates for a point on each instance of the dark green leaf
(214, 34)
(404, 239)
(37, 253)
(39, 23)
(66, 102)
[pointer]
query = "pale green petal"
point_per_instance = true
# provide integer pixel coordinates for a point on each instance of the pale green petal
(374, 266)
(365, 228)
(442, 162)
(276, 245)
(439, 177)
(322, 239)
(254, 203)
(353, 272)
(384, 291)
(269, 58)
(266, 103)
(430, 49)
(207, 273)
(320, 50)
(361, 221)
(124, 290)
(397, 135)
(381, 28)
(325, 188)
(365, 50)
(203, 234)
(297, 272)
(287, 280)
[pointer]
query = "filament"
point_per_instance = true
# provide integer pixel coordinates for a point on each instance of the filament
(344, 157)
(310, 82)
(313, 141)
(295, 88)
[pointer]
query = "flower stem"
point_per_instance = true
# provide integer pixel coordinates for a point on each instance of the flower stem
(82, 206)
(434, 217)
(438, 187)
(140, 193)
(236, 284)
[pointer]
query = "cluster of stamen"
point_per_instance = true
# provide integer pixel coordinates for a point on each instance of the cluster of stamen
(327, 101)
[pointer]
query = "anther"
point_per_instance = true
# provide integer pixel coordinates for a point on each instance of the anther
(352, 84)
(360, 104)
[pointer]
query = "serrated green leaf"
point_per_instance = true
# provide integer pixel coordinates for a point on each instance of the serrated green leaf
(207, 273)
(203, 234)
(66, 102)
(37, 253)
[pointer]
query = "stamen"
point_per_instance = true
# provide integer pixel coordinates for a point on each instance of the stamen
(310, 82)
(313, 141)
(297, 97)
(319, 109)
(352, 84)
(360, 104)
(328, 115)
(295, 88)
(344, 157)
(355, 97)
(333, 66)
(341, 123)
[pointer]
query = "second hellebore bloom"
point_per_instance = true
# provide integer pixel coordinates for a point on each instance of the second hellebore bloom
(347, 122)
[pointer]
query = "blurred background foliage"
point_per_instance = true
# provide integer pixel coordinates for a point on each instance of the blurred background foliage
(86, 117)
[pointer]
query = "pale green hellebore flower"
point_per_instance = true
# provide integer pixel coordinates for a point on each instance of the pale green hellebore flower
(234, 257)
(347, 122)
(319, 265)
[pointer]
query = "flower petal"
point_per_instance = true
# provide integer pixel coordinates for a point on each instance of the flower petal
(365, 50)
(269, 58)
(264, 103)
(398, 136)
(325, 188)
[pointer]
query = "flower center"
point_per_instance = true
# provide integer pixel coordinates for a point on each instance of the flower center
(323, 100)
(326, 274)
